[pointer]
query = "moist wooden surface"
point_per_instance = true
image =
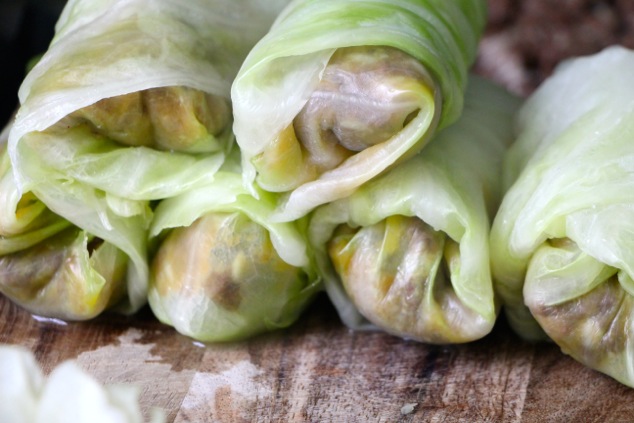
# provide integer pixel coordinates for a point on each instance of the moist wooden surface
(318, 371)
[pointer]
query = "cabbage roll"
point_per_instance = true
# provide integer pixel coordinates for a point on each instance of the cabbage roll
(223, 270)
(408, 252)
(339, 91)
(129, 105)
(50, 266)
(562, 250)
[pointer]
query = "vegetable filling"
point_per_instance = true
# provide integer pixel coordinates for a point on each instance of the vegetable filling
(232, 253)
(70, 276)
(167, 118)
(397, 273)
(365, 97)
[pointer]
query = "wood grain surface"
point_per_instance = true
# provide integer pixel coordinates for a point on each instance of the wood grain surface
(318, 371)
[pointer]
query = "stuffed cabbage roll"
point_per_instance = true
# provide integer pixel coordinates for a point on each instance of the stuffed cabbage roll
(339, 91)
(49, 266)
(223, 271)
(562, 250)
(408, 252)
(130, 104)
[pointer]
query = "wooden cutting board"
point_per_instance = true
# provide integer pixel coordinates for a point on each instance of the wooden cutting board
(319, 371)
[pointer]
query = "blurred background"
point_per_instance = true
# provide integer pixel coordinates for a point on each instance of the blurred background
(524, 41)
(26, 28)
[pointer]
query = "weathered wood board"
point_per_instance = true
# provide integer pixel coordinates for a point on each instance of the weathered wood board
(319, 371)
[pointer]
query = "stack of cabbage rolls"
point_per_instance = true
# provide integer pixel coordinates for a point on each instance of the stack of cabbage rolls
(334, 88)
(366, 161)
(129, 105)
(120, 157)
(226, 161)
(562, 246)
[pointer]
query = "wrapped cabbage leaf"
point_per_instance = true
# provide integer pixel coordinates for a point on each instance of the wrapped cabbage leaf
(408, 252)
(223, 270)
(129, 105)
(562, 251)
(49, 266)
(339, 91)
(67, 395)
